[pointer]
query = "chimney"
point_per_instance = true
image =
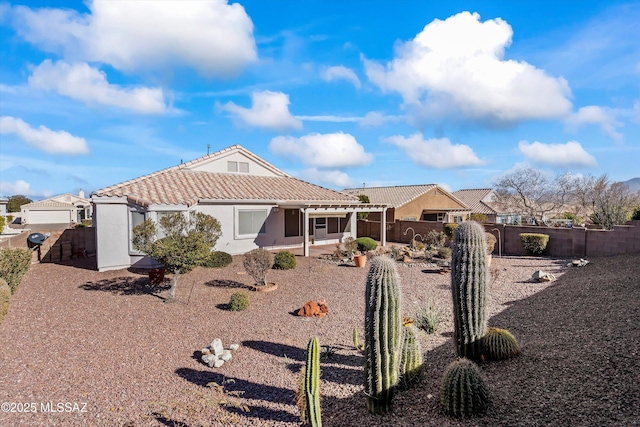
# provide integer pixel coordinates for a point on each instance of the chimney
(81, 194)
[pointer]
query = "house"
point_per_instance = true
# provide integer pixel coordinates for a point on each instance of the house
(257, 205)
(428, 202)
(486, 201)
(63, 209)
(3, 206)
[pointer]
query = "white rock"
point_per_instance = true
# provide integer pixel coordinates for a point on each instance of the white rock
(216, 347)
(234, 347)
(542, 276)
(209, 359)
(218, 363)
(226, 355)
(205, 350)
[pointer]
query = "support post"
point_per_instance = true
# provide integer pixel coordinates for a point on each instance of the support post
(383, 225)
(305, 227)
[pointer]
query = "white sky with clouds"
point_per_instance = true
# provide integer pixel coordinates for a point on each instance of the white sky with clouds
(94, 93)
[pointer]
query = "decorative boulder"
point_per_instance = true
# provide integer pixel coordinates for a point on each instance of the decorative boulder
(542, 276)
(314, 309)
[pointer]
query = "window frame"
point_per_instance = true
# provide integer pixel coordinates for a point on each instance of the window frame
(263, 228)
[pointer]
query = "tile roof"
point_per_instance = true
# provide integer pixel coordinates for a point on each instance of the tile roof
(48, 204)
(395, 196)
(473, 199)
(180, 185)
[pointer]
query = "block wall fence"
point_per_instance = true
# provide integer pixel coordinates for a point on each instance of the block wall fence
(563, 242)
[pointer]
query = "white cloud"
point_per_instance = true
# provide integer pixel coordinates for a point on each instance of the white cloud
(456, 68)
(636, 109)
(21, 187)
(597, 116)
(332, 150)
(45, 139)
(437, 153)
(82, 82)
(330, 119)
(330, 177)
(375, 118)
(340, 72)
(569, 154)
(214, 37)
(269, 110)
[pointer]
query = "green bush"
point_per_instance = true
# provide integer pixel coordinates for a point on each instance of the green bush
(5, 298)
(2, 223)
(444, 253)
(366, 244)
(427, 317)
(284, 260)
(218, 259)
(435, 239)
(239, 301)
(534, 243)
(450, 228)
(636, 214)
(14, 264)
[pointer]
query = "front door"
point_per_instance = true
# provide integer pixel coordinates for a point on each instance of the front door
(320, 230)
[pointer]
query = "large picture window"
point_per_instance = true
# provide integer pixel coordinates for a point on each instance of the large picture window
(135, 218)
(251, 222)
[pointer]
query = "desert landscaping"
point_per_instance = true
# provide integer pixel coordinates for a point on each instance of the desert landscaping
(109, 346)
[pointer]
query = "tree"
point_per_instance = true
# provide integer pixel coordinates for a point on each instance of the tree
(15, 202)
(363, 199)
(528, 191)
(604, 202)
(187, 242)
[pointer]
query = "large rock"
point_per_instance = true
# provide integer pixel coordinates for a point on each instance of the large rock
(216, 347)
(314, 309)
(209, 359)
(542, 276)
(226, 355)
(218, 363)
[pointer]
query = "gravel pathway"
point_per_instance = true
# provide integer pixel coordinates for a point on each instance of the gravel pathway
(117, 355)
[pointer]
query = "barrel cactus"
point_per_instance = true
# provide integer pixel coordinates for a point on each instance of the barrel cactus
(411, 355)
(464, 392)
(498, 344)
(308, 396)
(469, 277)
(383, 334)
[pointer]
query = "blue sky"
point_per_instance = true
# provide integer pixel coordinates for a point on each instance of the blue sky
(339, 93)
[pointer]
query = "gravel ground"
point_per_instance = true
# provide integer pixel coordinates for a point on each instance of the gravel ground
(107, 346)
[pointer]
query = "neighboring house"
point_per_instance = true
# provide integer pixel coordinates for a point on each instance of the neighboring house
(486, 201)
(3, 205)
(428, 202)
(63, 209)
(257, 205)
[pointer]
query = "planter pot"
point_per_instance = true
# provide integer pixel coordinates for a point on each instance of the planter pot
(360, 260)
(156, 276)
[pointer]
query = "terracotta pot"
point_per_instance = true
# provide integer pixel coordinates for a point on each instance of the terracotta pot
(156, 276)
(360, 260)
(269, 288)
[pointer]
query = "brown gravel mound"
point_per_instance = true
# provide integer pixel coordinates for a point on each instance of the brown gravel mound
(77, 336)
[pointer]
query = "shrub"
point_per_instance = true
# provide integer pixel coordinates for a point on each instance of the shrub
(444, 253)
(284, 260)
(366, 244)
(491, 242)
(2, 223)
(14, 264)
(10, 219)
(435, 239)
(218, 259)
(478, 217)
(534, 243)
(257, 263)
(5, 298)
(427, 317)
(239, 301)
(636, 214)
(350, 246)
(449, 229)
(81, 225)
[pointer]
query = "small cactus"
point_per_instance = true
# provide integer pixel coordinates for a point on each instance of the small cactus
(411, 356)
(469, 277)
(464, 392)
(498, 344)
(383, 330)
(308, 394)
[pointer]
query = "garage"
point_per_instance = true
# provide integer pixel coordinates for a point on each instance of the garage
(47, 212)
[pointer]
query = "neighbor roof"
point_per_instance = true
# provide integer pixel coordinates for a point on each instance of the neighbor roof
(473, 199)
(47, 204)
(179, 185)
(395, 196)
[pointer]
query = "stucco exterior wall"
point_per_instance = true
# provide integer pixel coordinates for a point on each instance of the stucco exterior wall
(433, 200)
(111, 220)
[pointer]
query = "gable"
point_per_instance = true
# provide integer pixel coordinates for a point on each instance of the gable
(234, 160)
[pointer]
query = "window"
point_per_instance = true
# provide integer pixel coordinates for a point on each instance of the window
(457, 218)
(159, 231)
(251, 222)
(292, 223)
(242, 167)
(345, 224)
(135, 218)
(333, 225)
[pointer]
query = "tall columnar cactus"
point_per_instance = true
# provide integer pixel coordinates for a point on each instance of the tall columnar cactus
(469, 277)
(383, 334)
(309, 393)
(411, 355)
(464, 391)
